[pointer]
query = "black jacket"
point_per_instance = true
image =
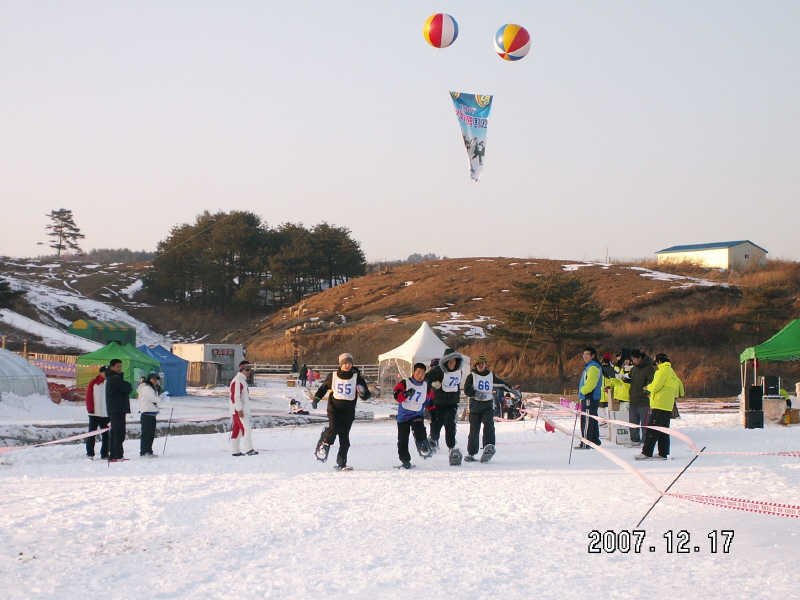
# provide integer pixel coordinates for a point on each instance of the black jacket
(438, 373)
(641, 375)
(117, 393)
(326, 385)
(469, 388)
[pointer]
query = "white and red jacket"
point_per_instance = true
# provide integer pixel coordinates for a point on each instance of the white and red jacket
(240, 396)
(96, 397)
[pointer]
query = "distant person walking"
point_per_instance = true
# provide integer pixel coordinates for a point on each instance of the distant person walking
(665, 388)
(148, 407)
(98, 413)
(240, 412)
(118, 404)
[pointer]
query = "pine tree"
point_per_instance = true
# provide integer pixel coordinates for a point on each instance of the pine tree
(7, 295)
(560, 310)
(63, 232)
(765, 309)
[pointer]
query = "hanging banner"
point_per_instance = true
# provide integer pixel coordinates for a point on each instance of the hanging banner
(473, 111)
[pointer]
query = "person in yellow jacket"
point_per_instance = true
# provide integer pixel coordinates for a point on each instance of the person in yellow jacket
(663, 390)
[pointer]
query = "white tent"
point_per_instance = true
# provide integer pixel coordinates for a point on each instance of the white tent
(396, 364)
(20, 377)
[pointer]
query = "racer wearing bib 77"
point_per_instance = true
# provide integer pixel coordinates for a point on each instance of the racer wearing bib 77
(413, 395)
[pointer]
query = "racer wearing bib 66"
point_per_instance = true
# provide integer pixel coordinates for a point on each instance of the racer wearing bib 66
(445, 379)
(479, 386)
(413, 395)
(345, 386)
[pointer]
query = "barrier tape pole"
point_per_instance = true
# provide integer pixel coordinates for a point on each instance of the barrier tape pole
(666, 490)
(574, 425)
(169, 426)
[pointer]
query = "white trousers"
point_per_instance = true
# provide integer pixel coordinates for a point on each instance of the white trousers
(246, 437)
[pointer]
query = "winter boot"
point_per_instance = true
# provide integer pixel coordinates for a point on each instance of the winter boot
(488, 453)
(470, 458)
(342, 467)
(455, 457)
(424, 449)
(433, 445)
(405, 466)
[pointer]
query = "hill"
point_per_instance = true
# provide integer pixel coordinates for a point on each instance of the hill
(688, 316)
(686, 313)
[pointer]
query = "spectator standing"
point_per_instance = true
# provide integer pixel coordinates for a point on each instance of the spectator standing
(413, 395)
(303, 375)
(590, 389)
(640, 376)
(118, 404)
(663, 390)
(98, 413)
(148, 407)
(242, 429)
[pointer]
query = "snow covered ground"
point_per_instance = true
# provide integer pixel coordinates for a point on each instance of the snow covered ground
(198, 523)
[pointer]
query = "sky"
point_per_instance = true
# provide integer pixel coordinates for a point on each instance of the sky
(631, 126)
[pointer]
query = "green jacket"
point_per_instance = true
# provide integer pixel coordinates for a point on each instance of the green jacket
(665, 388)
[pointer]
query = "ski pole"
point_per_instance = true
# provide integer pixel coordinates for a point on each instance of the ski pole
(169, 424)
(572, 439)
(670, 485)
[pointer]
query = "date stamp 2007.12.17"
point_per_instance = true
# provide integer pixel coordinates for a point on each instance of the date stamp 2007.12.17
(636, 541)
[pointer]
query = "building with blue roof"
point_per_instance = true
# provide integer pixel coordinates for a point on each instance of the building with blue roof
(719, 255)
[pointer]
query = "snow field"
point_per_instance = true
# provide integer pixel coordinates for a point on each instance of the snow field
(198, 523)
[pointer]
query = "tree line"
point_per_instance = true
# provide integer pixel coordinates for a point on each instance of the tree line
(235, 260)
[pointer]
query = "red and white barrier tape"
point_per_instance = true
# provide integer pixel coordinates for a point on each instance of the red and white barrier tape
(668, 430)
(757, 506)
(767, 508)
(61, 441)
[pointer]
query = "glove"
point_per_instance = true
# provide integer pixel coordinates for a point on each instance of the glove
(361, 390)
(314, 402)
(408, 393)
(437, 385)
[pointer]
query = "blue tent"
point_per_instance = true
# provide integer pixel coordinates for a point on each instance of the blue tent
(173, 367)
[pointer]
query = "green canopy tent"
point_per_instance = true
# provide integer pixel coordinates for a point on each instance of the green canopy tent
(783, 346)
(134, 364)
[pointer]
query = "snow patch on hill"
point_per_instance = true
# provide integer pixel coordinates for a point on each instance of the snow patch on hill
(50, 335)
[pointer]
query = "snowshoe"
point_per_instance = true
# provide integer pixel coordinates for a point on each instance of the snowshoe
(470, 458)
(342, 468)
(433, 445)
(406, 466)
(488, 453)
(455, 457)
(424, 449)
(321, 453)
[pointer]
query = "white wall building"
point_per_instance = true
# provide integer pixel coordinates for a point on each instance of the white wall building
(721, 255)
